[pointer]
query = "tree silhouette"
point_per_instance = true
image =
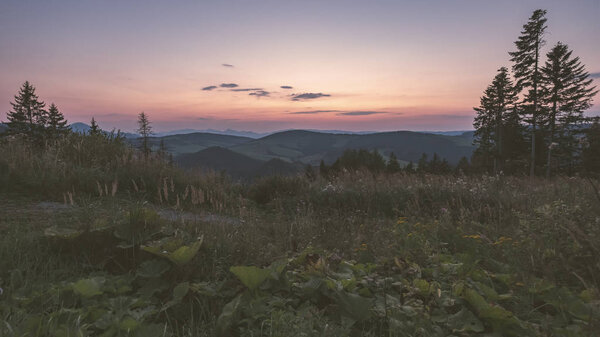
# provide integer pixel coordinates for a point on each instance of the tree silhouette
(567, 92)
(94, 128)
(497, 102)
(28, 114)
(56, 124)
(526, 69)
(145, 130)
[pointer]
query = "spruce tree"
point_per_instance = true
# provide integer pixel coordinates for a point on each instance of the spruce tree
(526, 69)
(94, 128)
(392, 165)
(497, 102)
(56, 124)
(28, 114)
(567, 93)
(145, 130)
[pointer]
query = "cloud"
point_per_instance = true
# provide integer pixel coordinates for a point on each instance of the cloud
(286, 87)
(361, 113)
(260, 93)
(228, 85)
(308, 95)
(310, 112)
(247, 89)
(211, 87)
(227, 65)
(595, 75)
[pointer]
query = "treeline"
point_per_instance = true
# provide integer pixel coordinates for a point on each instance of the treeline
(374, 162)
(532, 121)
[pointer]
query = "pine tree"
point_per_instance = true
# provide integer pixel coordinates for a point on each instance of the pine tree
(28, 112)
(56, 122)
(494, 110)
(526, 69)
(145, 130)
(410, 167)
(567, 93)
(94, 128)
(392, 165)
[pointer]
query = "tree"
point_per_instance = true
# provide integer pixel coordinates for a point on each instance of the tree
(567, 92)
(56, 124)
(28, 114)
(494, 109)
(94, 128)
(410, 167)
(392, 165)
(526, 69)
(463, 166)
(145, 130)
(422, 164)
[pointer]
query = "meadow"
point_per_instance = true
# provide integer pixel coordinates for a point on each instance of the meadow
(100, 241)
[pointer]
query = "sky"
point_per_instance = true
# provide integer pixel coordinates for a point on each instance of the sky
(272, 65)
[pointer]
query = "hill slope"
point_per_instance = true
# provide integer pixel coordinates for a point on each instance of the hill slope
(237, 165)
(311, 147)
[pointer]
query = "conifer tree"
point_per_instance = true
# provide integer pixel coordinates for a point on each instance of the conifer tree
(28, 114)
(526, 69)
(492, 114)
(392, 165)
(56, 124)
(145, 130)
(94, 128)
(567, 93)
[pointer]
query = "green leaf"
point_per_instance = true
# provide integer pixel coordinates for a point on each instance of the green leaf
(128, 324)
(88, 287)
(252, 277)
(153, 268)
(228, 317)
(465, 321)
(180, 291)
(172, 249)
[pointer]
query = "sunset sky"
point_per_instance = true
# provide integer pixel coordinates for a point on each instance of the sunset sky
(272, 65)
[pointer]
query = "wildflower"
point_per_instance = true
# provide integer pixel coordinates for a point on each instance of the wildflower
(475, 236)
(444, 210)
(401, 220)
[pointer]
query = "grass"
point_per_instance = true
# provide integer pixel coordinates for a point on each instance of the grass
(383, 255)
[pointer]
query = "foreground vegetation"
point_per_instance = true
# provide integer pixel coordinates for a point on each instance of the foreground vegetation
(100, 240)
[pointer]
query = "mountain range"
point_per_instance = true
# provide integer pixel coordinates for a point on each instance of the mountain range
(248, 154)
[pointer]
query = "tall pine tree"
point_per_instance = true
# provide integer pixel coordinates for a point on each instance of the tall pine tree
(28, 114)
(497, 102)
(56, 124)
(526, 69)
(567, 93)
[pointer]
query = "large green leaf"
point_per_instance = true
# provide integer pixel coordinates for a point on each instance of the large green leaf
(88, 287)
(153, 268)
(465, 321)
(228, 317)
(252, 277)
(174, 250)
